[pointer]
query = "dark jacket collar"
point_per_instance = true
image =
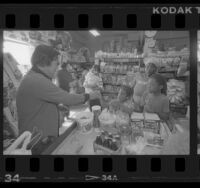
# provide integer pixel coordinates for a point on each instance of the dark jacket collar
(37, 70)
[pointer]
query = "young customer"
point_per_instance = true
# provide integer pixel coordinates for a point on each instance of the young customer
(155, 99)
(124, 100)
(93, 82)
(140, 83)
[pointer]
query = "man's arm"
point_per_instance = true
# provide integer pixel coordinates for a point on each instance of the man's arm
(47, 91)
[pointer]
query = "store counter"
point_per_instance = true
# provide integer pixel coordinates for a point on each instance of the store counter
(74, 142)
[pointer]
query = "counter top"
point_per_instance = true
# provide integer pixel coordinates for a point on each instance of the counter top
(74, 142)
(78, 143)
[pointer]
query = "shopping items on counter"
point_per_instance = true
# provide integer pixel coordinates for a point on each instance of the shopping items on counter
(136, 148)
(126, 133)
(97, 111)
(154, 139)
(122, 119)
(149, 122)
(108, 143)
(152, 122)
(85, 121)
(107, 119)
(137, 120)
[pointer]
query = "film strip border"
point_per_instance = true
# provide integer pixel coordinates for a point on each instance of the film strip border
(101, 17)
(99, 168)
(109, 169)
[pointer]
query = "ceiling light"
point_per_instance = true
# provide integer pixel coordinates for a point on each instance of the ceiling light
(94, 32)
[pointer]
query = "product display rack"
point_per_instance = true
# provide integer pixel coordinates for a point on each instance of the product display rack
(168, 68)
(80, 66)
(117, 62)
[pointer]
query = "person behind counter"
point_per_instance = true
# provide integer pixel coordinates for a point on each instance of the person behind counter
(155, 100)
(139, 84)
(64, 78)
(38, 98)
(124, 101)
(93, 82)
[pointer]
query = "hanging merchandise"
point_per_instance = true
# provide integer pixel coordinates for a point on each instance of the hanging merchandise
(11, 68)
(150, 42)
(11, 78)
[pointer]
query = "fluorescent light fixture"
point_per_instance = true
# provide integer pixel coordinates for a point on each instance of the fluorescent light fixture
(94, 32)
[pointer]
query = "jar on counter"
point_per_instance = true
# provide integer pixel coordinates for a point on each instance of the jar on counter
(97, 111)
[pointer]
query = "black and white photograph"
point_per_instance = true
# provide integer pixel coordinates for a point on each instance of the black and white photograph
(96, 92)
(198, 82)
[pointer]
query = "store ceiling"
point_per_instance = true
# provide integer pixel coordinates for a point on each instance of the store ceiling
(87, 35)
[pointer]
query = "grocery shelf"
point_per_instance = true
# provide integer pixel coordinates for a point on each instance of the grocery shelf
(80, 63)
(112, 84)
(108, 92)
(121, 58)
(75, 71)
(115, 73)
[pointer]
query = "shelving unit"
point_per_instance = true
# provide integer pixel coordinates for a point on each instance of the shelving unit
(118, 63)
(168, 68)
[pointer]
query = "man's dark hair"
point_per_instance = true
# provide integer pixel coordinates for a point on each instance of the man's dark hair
(43, 56)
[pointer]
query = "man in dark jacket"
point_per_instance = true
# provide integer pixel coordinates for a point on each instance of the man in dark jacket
(38, 98)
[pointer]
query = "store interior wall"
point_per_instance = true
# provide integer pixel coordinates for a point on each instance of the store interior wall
(85, 39)
(169, 38)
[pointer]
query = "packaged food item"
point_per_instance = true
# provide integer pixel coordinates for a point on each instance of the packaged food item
(114, 145)
(107, 142)
(97, 111)
(99, 140)
(137, 120)
(85, 121)
(122, 119)
(152, 123)
(107, 119)
(157, 141)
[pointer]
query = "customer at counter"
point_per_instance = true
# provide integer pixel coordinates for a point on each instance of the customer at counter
(93, 82)
(140, 84)
(38, 98)
(124, 101)
(155, 99)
